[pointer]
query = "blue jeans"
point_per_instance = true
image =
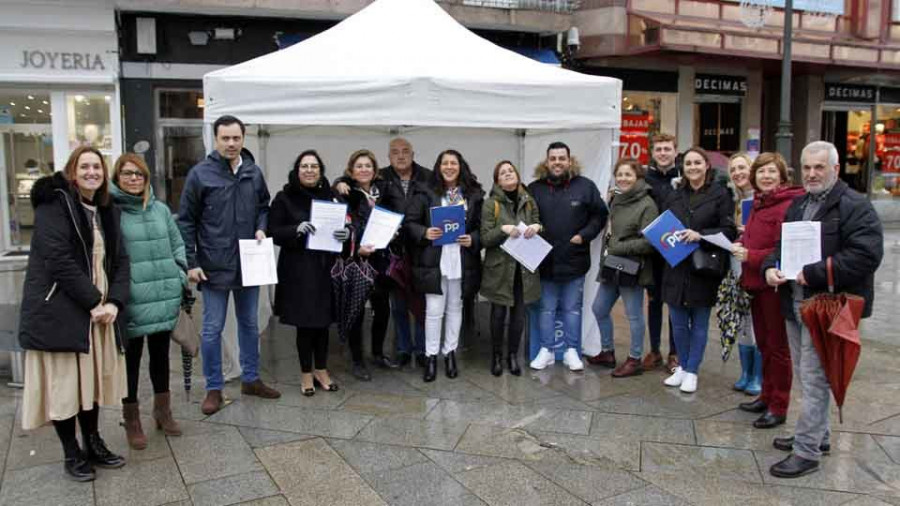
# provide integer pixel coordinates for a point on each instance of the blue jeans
(691, 328)
(215, 308)
(400, 314)
(567, 299)
(633, 297)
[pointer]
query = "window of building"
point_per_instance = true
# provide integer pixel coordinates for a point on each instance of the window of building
(644, 114)
(886, 178)
(26, 154)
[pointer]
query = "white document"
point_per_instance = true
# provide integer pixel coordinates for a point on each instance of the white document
(719, 240)
(258, 262)
(801, 245)
(381, 228)
(326, 217)
(528, 252)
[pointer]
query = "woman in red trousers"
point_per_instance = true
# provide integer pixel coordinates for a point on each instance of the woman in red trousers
(773, 195)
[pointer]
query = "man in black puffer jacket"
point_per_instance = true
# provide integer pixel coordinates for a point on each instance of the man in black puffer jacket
(664, 168)
(852, 238)
(572, 214)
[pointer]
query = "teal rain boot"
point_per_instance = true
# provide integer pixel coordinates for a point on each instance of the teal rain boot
(754, 386)
(746, 354)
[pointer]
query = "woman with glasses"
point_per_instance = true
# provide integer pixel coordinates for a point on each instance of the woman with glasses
(158, 277)
(303, 293)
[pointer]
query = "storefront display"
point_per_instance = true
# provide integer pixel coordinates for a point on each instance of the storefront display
(645, 114)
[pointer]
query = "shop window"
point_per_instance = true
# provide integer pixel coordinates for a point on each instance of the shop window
(26, 154)
(645, 114)
(886, 178)
(182, 104)
(88, 116)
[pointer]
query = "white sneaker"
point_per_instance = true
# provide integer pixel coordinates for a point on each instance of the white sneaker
(571, 359)
(689, 383)
(544, 358)
(676, 378)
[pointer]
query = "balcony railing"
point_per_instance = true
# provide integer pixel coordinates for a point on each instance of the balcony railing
(557, 6)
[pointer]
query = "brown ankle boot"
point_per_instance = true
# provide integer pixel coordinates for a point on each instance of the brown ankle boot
(212, 403)
(133, 431)
(162, 413)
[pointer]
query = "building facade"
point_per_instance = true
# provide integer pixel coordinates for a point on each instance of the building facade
(709, 71)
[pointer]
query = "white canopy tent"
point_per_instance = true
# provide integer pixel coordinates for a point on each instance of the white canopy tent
(406, 67)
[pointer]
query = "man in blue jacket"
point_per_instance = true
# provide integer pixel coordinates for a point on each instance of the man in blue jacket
(573, 214)
(225, 199)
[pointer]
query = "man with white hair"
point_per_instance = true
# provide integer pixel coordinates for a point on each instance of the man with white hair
(852, 238)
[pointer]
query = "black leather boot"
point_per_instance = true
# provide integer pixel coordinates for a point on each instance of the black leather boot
(76, 464)
(497, 364)
(430, 368)
(513, 363)
(99, 454)
(450, 365)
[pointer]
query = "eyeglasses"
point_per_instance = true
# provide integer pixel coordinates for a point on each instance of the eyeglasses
(309, 166)
(131, 174)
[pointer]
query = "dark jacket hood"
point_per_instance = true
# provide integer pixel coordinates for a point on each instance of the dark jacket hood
(44, 189)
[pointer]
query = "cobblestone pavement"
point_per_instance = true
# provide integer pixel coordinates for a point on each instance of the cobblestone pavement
(552, 437)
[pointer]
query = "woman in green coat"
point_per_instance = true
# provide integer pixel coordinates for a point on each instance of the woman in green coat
(631, 210)
(504, 282)
(158, 268)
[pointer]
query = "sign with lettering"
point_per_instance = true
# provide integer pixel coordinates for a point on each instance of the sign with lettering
(634, 140)
(59, 57)
(709, 84)
(849, 93)
(40, 59)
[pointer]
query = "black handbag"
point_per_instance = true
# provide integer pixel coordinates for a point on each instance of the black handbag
(710, 264)
(620, 271)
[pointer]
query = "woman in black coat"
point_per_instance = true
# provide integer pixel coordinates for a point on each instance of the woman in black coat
(76, 286)
(368, 190)
(446, 274)
(303, 293)
(705, 207)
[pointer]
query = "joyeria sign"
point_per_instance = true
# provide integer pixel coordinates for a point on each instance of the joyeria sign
(61, 60)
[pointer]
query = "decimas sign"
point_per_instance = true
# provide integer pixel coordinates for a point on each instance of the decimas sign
(634, 140)
(890, 162)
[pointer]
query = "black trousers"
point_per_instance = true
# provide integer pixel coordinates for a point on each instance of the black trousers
(312, 348)
(516, 319)
(381, 309)
(655, 309)
(158, 347)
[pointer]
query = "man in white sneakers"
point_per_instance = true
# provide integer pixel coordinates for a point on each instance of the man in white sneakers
(572, 214)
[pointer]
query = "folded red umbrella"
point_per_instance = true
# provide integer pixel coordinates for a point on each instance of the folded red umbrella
(833, 323)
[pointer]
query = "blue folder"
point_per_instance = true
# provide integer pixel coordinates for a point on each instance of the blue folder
(661, 235)
(746, 207)
(452, 222)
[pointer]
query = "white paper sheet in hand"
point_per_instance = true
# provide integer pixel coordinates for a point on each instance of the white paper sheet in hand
(326, 217)
(528, 252)
(801, 245)
(719, 240)
(381, 228)
(258, 262)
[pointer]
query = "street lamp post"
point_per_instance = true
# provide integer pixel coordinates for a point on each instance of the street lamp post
(784, 136)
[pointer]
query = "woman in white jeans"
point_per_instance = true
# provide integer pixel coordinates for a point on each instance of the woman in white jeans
(446, 273)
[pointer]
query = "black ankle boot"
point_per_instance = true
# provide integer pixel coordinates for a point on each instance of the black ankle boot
(76, 464)
(99, 454)
(513, 363)
(497, 365)
(430, 368)
(450, 365)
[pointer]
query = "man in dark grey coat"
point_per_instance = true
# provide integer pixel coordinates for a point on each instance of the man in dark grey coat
(852, 238)
(225, 199)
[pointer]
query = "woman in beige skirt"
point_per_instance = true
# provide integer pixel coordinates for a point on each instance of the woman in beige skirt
(75, 287)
